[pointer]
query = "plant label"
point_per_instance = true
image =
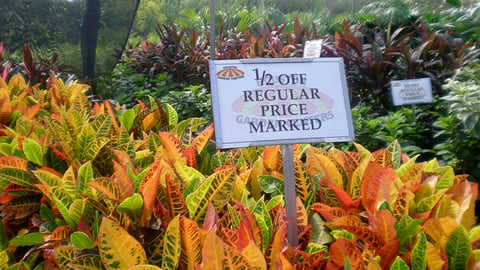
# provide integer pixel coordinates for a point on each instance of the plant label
(279, 101)
(414, 91)
(313, 48)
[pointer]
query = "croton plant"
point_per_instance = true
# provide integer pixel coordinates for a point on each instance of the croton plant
(101, 186)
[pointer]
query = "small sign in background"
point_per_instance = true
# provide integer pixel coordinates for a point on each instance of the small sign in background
(413, 91)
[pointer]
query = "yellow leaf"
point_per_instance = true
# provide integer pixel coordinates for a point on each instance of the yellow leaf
(434, 259)
(212, 252)
(118, 249)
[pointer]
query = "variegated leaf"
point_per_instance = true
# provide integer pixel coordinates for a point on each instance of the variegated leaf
(85, 176)
(303, 183)
(13, 162)
(418, 259)
(396, 154)
(49, 177)
(191, 244)
(122, 180)
(102, 125)
(145, 267)
(118, 249)
(64, 255)
(199, 142)
(234, 260)
(174, 199)
(217, 188)
(272, 158)
(171, 245)
(383, 157)
(85, 139)
(171, 145)
(86, 262)
(107, 187)
(21, 207)
(16, 176)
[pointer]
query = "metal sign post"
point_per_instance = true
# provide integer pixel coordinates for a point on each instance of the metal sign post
(212, 29)
(290, 194)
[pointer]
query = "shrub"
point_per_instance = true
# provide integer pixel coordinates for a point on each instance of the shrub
(458, 129)
(104, 187)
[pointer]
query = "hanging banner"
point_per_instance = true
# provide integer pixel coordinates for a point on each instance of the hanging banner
(280, 101)
(414, 91)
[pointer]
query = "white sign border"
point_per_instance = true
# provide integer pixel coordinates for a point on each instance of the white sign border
(220, 144)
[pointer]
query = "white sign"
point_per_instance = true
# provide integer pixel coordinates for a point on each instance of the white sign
(414, 91)
(313, 48)
(279, 101)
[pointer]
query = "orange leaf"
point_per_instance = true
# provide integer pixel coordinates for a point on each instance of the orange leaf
(212, 251)
(383, 157)
(122, 180)
(384, 225)
(172, 146)
(31, 111)
(151, 120)
(402, 203)
(374, 178)
(199, 142)
(174, 199)
(5, 110)
(343, 198)
(13, 162)
(365, 234)
(328, 213)
(272, 158)
(413, 175)
(342, 249)
(189, 154)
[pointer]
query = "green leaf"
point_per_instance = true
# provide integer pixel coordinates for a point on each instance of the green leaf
(407, 227)
(217, 189)
(81, 240)
(271, 185)
(419, 254)
(446, 178)
(395, 152)
(399, 264)
(132, 206)
(29, 239)
(3, 238)
(127, 118)
(33, 151)
(172, 115)
(455, 3)
(85, 176)
(458, 249)
(16, 176)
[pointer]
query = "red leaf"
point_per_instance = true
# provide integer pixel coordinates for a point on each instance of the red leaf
(388, 253)
(344, 199)
(328, 213)
(189, 153)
